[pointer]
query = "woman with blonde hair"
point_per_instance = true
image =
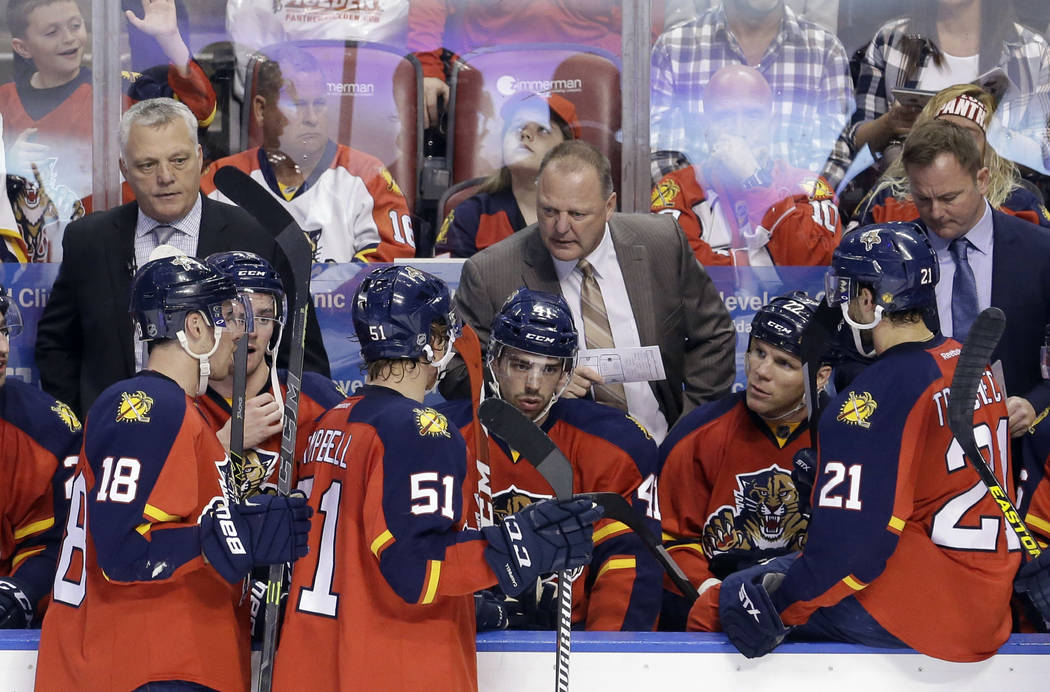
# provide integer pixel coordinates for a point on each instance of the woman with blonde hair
(970, 107)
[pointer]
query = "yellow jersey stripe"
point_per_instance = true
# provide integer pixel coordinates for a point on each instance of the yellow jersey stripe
(26, 554)
(380, 542)
(143, 528)
(35, 527)
(433, 577)
(897, 523)
(1041, 524)
(606, 531)
(159, 514)
(854, 584)
(616, 563)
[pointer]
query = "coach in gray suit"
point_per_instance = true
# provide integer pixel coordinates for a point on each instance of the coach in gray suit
(654, 290)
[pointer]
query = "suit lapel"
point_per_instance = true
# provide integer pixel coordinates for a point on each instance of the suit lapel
(210, 232)
(637, 276)
(538, 272)
(1002, 259)
(120, 263)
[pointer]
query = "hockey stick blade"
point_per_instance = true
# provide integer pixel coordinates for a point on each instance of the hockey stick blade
(507, 422)
(246, 193)
(510, 424)
(615, 507)
(973, 361)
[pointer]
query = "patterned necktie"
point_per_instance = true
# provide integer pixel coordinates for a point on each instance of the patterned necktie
(964, 291)
(163, 233)
(597, 332)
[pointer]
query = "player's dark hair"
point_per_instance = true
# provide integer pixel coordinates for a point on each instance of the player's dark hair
(385, 368)
(18, 12)
(576, 150)
(939, 136)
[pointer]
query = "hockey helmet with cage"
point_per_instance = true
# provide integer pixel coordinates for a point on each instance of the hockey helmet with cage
(782, 320)
(393, 310)
(165, 290)
(12, 325)
(894, 259)
(535, 322)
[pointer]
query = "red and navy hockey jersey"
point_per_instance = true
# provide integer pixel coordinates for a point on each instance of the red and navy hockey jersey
(725, 485)
(609, 452)
(477, 222)
(134, 600)
(883, 207)
(900, 520)
(39, 445)
(384, 600)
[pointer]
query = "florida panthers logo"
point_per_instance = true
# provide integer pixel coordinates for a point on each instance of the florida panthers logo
(766, 515)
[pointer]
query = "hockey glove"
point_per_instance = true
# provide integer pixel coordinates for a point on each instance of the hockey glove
(16, 610)
(492, 611)
(1033, 579)
(803, 472)
(263, 530)
(747, 613)
(546, 536)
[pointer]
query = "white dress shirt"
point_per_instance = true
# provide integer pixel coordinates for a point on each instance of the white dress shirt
(641, 402)
(978, 255)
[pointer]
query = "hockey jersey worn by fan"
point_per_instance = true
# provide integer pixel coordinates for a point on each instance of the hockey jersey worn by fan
(883, 207)
(900, 520)
(134, 600)
(62, 116)
(793, 220)
(726, 489)
(350, 206)
(384, 600)
(609, 452)
(317, 394)
(477, 222)
(39, 443)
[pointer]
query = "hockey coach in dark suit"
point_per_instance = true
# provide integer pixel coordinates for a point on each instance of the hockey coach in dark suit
(629, 279)
(85, 341)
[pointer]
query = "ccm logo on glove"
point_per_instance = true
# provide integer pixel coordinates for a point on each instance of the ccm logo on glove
(521, 553)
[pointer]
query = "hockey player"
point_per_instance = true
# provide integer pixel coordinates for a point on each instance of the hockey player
(727, 499)
(265, 384)
(39, 443)
(345, 200)
(741, 206)
(158, 543)
(389, 587)
(895, 505)
(532, 352)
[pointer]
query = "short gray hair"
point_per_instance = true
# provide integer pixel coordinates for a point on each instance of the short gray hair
(153, 113)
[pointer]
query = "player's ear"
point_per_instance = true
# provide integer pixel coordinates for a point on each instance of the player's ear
(258, 108)
(823, 374)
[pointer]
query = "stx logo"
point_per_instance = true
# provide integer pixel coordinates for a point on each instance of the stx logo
(747, 604)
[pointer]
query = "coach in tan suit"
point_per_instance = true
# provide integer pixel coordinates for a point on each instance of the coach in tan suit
(649, 285)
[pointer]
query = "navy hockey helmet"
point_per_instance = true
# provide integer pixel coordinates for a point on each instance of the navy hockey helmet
(253, 274)
(894, 259)
(782, 320)
(393, 310)
(536, 322)
(165, 290)
(12, 325)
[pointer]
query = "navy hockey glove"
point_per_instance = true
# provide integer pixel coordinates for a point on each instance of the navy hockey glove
(748, 616)
(1033, 579)
(263, 530)
(16, 610)
(803, 472)
(491, 611)
(547, 536)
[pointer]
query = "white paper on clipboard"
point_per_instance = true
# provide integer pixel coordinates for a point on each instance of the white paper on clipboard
(634, 364)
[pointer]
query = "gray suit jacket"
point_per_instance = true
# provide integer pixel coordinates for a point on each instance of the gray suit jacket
(675, 304)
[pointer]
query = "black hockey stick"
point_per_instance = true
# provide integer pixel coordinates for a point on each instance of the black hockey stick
(503, 420)
(973, 362)
(258, 202)
(617, 508)
(814, 343)
(237, 404)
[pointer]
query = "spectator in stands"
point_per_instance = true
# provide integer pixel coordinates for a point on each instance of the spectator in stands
(48, 112)
(741, 205)
(84, 338)
(345, 200)
(630, 280)
(804, 64)
(987, 258)
(950, 42)
(461, 26)
(972, 108)
(506, 202)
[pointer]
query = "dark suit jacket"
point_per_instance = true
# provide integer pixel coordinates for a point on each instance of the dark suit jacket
(1021, 288)
(675, 304)
(84, 338)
